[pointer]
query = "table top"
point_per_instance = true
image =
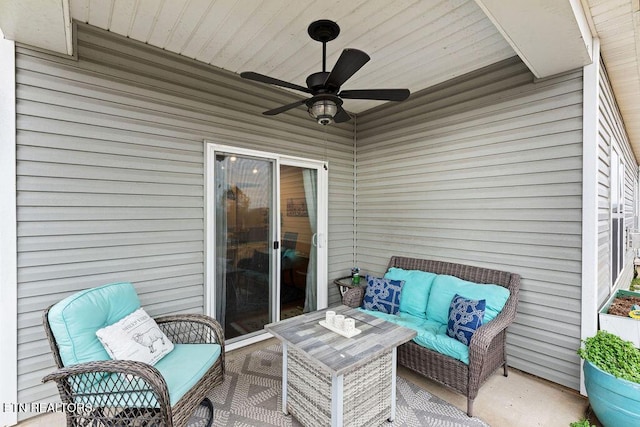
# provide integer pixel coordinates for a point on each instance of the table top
(338, 354)
(347, 282)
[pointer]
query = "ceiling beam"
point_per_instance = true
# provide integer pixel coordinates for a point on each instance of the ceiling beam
(550, 36)
(41, 23)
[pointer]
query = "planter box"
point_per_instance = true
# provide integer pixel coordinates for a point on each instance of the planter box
(625, 327)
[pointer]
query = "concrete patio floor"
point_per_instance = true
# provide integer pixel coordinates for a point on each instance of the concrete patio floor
(519, 400)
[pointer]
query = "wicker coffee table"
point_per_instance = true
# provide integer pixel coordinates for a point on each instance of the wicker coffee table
(328, 379)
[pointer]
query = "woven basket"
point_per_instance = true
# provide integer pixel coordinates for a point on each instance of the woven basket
(366, 391)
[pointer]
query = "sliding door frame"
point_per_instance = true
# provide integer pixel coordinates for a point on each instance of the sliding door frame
(211, 148)
(322, 225)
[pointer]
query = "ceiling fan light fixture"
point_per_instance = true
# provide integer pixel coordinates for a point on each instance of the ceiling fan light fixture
(323, 111)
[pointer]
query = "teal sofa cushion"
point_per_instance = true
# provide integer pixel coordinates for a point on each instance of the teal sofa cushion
(445, 287)
(425, 302)
(181, 376)
(75, 320)
(430, 334)
(402, 319)
(433, 335)
(416, 289)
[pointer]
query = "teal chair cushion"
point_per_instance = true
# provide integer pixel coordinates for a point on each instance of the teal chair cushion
(181, 370)
(181, 376)
(75, 320)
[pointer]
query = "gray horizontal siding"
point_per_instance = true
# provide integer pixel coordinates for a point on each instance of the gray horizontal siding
(485, 170)
(110, 175)
(611, 133)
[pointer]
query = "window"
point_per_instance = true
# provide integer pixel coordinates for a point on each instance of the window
(617, 215)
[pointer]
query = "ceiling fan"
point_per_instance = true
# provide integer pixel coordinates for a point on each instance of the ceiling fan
(325, 105)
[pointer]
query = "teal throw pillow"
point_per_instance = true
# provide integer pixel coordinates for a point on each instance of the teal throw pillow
(382, 295)
(465, 316)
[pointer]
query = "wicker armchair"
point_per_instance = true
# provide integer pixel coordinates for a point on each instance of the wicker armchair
(487, 350)
(130, 393)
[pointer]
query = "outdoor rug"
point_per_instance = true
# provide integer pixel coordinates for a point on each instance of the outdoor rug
(251, 396)
(248, 324)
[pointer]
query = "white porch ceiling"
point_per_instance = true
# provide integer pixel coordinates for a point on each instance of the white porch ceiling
(617, 23)
(412, 43)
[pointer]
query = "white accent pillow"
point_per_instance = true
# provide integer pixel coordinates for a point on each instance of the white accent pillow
(135, 337)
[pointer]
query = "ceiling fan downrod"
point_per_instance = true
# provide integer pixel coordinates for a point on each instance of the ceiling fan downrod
(323, 31)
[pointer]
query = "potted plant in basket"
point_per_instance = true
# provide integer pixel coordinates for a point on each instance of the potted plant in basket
(612, 378)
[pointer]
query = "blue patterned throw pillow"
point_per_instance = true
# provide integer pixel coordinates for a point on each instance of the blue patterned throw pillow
(465, 316)
(382, 295)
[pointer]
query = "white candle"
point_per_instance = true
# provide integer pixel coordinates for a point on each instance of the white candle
(338, 321)
(349, 325)
(330, 315)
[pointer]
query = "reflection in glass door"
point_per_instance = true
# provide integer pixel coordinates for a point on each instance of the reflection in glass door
(298, 236)
(244, 193)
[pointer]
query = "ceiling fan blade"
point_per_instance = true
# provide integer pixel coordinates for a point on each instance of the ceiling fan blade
(377, 94)
(250, 75)
(350, 61)
(341, 116)
(284, 108)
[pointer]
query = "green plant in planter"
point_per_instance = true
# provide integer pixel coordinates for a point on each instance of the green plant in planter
(581, 423)
(612, 379)
(612, 354)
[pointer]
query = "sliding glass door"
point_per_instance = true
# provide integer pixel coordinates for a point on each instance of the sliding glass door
(266, 242)
(298, 234)
(244, 229)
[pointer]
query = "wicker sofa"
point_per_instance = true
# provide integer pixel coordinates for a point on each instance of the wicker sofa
(487, 349)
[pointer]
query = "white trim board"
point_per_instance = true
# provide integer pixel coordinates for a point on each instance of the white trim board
(590, 107)
(8, 233)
